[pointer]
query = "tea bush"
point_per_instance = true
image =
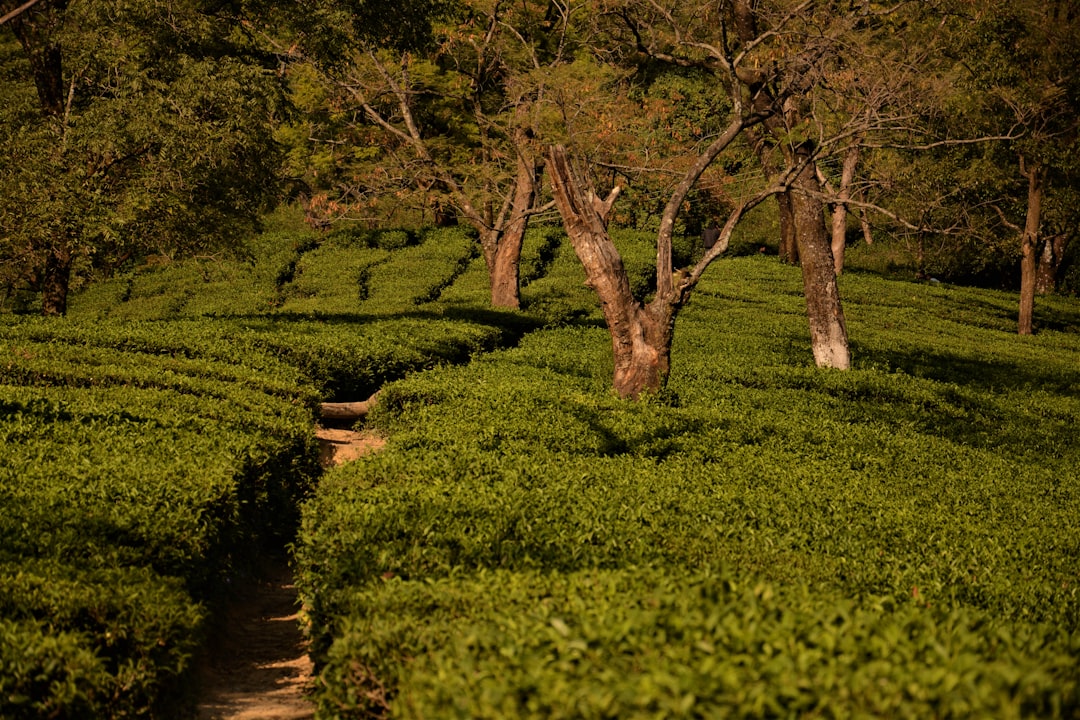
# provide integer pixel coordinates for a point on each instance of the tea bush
(651, 642)
(145, 460)
(417, 275)
(142, 465)
(762, 538)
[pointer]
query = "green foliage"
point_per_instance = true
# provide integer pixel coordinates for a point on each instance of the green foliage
(142, 465)
(417, 275)
(160, 141)
(757, 537)
(645, 642)
(47, 674)
(128, 635)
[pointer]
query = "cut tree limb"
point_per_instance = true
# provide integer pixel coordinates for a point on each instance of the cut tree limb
(342, 411)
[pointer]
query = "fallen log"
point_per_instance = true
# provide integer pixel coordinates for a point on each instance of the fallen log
(347, 411)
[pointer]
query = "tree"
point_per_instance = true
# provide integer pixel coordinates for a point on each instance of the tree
(127, 129)
(813, 73)
(806, 83)
(642, 333)
(1022, 55)
(453, 117)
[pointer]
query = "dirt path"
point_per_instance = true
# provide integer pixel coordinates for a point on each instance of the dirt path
(337, 446)
(259, 668)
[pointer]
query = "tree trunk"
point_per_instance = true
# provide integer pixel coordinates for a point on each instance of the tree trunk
(504, 264)
(867, 231)
(640, 337)
(34, 31)
(828, 332)
(56, 278)
(504, 273)
(1049, 262)
(789, 246)
(642, 351)
(1029, 246)
(840, 212)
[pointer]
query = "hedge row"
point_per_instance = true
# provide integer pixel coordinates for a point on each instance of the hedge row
(762, 539)
(142, 463)
(654, 642)
(144, 458)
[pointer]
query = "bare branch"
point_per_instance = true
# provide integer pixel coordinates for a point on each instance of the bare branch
(1005, 221)
(944, 143)
(18, 11)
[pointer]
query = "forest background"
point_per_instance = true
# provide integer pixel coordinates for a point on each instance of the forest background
(944, 133)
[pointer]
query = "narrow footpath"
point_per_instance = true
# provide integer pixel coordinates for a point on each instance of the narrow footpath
(259, 667)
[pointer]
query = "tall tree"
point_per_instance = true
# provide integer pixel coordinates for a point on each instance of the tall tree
(805, 82)
(453, 118)
(127, 129)
(1023, 54)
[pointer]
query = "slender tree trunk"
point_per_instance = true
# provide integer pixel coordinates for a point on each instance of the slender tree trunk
(55, 281)
(789, 246)
(505, 260)
(840, 212)
(1049, 262)
(867, 231)
(1029, 246)
(788, 249)
(640, 337)
(828, 332)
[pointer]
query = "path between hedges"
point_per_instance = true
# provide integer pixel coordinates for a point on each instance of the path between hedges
(259, 668)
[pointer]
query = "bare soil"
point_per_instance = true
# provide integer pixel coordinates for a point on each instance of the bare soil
(337, 446)
(258, 667)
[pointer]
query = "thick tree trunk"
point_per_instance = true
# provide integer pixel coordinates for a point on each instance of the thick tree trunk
(504, 273)
(828, 332)
(1029, 247)
(55, 281)
(640, 337)
(1049, 261)
(642, 351)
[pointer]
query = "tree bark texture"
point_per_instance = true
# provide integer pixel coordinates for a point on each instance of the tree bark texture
(1049, 262)
(828, 331)
(867, 231)
(640, 337)
(1029, 247)
(789, 246)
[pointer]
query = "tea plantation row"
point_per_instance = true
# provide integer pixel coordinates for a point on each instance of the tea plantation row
(147, 459)
(764, 539)
(140, 462)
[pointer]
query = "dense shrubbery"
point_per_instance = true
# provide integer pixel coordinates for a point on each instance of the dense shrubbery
(146, 459)
(141, 463)
(762, 539)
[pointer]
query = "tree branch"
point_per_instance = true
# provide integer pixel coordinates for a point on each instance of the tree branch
(18, 11)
